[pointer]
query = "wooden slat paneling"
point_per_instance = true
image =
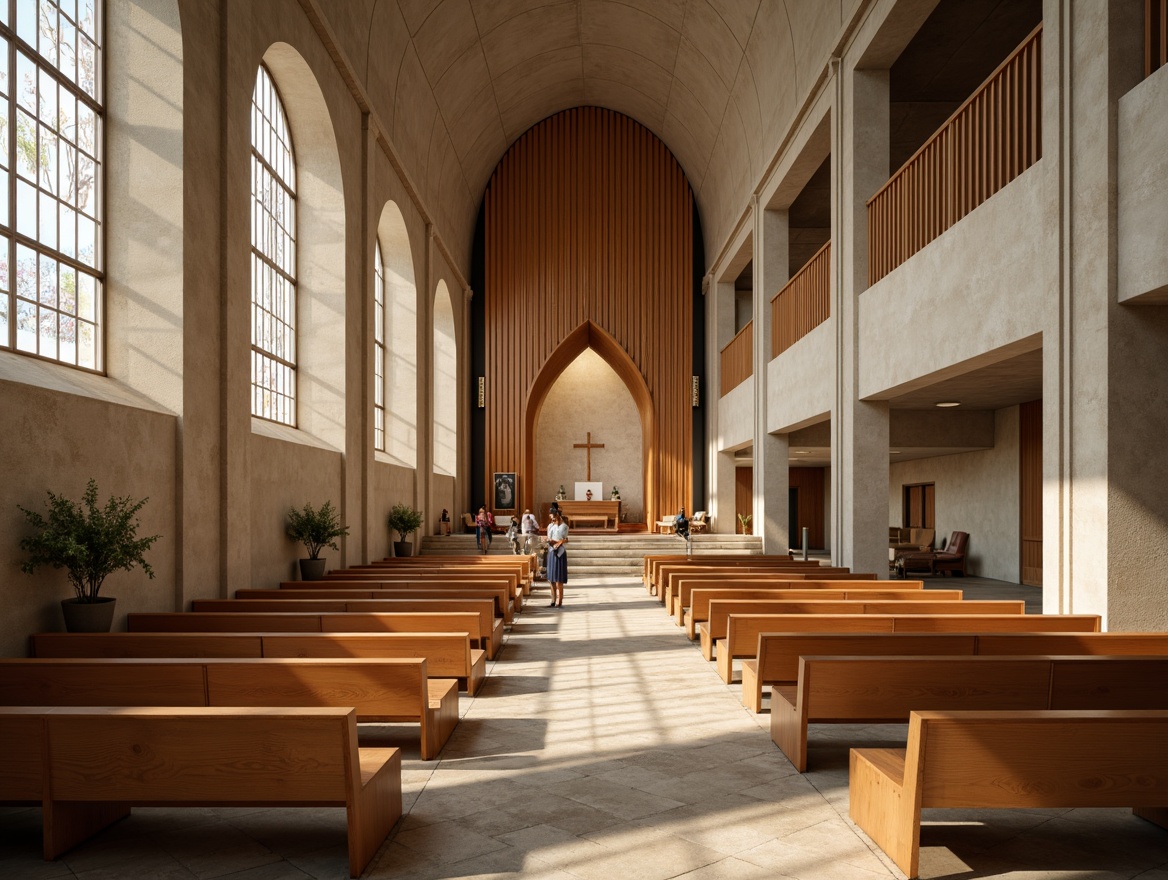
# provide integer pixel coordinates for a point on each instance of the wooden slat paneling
(1030, 489)
(991, 139)
(738, 359)
(803, 304)
(589, 243)
(1155, 35)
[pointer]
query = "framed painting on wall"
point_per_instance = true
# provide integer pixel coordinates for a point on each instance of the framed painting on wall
(504, 491)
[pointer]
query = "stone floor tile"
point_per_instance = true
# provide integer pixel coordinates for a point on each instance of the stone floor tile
(447, 842)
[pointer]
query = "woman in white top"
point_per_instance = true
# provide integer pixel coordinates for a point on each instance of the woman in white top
(557, 558)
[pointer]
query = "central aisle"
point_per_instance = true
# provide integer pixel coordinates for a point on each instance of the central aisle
(602, 745)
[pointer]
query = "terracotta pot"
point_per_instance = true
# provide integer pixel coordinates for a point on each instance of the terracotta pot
(312, 569)
(88, 617)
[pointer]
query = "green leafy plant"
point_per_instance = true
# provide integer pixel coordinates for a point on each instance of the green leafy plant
(316, 528)
(405, 520)
(744, 521)
(89, 541)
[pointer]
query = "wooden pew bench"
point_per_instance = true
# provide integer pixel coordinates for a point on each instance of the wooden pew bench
(96, 763)
(750, 614)
(680, 585)
(743, 575)
(778, 653)
(380, 690)
(657, 567)
(884, 690)
(745, 631)
(284, 601)
(996, 759)
(292, 620)
(460, 577)
(525, 565)
(700, 599)
(447, 655)
(504, 603)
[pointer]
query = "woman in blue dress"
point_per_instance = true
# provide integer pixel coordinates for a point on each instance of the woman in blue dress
(557, 558)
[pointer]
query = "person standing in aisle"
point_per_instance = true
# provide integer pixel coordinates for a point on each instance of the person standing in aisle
(557, 560)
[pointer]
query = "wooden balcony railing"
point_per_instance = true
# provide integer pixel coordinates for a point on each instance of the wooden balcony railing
(1155, 35)
(991, 139)
(803, 304)
(737, 359)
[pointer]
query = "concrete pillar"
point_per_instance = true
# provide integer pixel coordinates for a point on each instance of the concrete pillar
(720, 330)
(1105, 509)
(770, 452)
(859, 440)
(424, 474)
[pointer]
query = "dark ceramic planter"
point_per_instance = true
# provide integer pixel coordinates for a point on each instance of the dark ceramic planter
(403, 548)
(88, 617)
(312, 569)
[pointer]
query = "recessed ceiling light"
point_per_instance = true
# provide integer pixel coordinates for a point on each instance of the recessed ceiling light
(802, 452)
(947, 403)
(894, 452)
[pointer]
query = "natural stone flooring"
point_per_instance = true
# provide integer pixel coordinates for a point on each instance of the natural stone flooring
(603, 746)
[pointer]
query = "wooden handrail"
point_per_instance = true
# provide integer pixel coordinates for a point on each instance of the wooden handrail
(1155, 35)
(738, 359)
(804, 302)
(993, 137)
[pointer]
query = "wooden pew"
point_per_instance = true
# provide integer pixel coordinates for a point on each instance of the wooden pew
(698, 599)
(293, 620)
(380, 690)
(94, 767)
(744, 632)
(778, 656)
(284, 600)
(466, 576)
(884, 690)
(996, 759)
(670, 576)
(447, 655)
(717, 562)
(679, 586)
(525, 564)
(359, 589)
(750, 616)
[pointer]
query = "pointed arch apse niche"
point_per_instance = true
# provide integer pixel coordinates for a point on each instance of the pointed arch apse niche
(586, 239)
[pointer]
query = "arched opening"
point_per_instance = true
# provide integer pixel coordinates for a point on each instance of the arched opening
(445, 379)
(320, 311)
(589, 336)
(400, 334)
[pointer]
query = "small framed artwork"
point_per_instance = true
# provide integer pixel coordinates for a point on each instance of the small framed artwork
(505, 491)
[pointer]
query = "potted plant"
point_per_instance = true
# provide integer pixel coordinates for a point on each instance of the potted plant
(744, 520)
(404, 520)
(315, 528)
(90, 542)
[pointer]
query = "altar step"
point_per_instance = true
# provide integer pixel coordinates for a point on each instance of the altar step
(604, 555)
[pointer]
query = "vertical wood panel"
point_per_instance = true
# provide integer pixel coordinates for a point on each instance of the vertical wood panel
(811, 483)
(589, 222)
(743, 495)
(1030, 489)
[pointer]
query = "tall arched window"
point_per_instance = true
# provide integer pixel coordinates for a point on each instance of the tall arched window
(50, 180)
(378, 349)
(273, 257)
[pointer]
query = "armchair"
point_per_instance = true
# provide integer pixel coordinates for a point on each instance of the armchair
(951, 559)
(699, 522)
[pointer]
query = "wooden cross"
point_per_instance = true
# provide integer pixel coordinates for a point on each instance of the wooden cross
(588, 447)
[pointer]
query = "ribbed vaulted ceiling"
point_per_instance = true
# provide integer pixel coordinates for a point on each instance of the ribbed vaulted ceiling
(460, 80)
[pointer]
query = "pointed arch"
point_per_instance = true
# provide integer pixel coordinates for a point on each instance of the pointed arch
(445, 383)
(589, 335)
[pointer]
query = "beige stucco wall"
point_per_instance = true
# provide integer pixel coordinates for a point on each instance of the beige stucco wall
(1143, 190)
(590, 396)
(801, 381)
(977, 492)
(56, 441)
(736, 417)
(977, 288)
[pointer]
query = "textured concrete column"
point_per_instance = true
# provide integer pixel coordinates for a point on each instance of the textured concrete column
(424, 474)
(719, 464)
(770, 451)
(1105, 511)
(859, 442)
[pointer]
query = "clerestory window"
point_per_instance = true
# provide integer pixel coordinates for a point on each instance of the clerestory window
(378, 348)
(51, 272)
(273, 257)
